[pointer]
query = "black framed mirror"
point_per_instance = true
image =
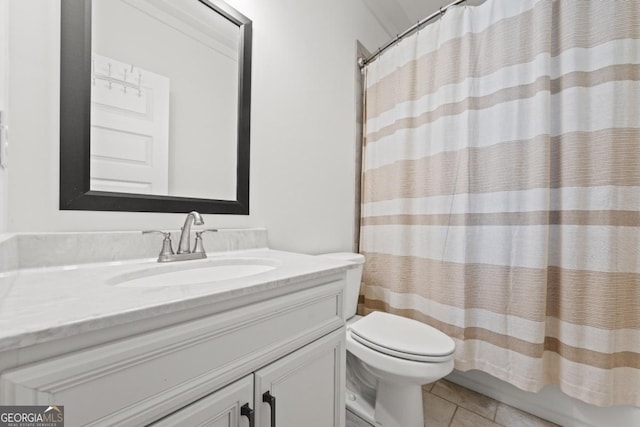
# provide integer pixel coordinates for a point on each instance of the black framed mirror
(79, 189)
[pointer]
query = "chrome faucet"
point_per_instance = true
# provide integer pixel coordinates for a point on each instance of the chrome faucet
(193, 217)
(184, 247)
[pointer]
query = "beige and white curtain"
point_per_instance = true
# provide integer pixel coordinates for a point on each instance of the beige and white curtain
(501, 190)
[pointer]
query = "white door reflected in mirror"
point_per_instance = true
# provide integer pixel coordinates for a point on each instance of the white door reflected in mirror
(164, 99)
(129, 128)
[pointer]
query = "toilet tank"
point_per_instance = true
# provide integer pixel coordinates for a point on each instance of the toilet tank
(354, 277)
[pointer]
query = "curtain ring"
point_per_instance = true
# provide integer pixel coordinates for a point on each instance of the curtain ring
(441, 13)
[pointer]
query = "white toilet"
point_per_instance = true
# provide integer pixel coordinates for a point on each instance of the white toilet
(389, 358)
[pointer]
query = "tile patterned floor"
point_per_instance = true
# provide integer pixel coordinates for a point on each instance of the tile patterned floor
(450, 405)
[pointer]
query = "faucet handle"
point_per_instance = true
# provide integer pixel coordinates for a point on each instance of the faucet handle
(198, 247)
(167, 249)
(166, 234)
(212, 230)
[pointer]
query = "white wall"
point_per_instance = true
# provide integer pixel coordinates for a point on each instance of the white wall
(303, 124)
(4, 68)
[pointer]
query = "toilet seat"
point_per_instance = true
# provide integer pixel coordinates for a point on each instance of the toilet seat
(385, 366)
(402, 338)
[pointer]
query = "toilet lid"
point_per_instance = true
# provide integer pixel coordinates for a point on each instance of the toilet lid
(401, 337)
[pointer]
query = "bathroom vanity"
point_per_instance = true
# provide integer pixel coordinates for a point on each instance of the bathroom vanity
(261, 348)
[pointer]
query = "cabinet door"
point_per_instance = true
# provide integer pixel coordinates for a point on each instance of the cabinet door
(231, 406)
(305, 388)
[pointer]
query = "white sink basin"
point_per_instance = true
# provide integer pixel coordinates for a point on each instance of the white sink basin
(184, 273)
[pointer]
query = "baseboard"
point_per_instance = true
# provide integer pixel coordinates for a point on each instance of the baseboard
(550, 403)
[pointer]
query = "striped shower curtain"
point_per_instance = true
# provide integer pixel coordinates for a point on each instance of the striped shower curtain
(501, 190)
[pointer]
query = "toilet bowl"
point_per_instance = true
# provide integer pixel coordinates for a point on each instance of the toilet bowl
(389, 359)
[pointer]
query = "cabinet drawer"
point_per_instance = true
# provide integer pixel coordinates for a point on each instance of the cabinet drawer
(140, 379)
(224, 408)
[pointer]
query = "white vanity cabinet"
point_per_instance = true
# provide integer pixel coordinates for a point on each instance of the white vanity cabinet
(202, 371)
(224, 408)
(305, 387)
(301, 389)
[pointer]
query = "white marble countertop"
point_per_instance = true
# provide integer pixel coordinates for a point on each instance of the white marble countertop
(39, 305)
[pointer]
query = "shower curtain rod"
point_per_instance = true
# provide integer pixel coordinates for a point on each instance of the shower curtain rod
(364, 61)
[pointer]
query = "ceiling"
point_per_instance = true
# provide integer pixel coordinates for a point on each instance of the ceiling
(395, 16)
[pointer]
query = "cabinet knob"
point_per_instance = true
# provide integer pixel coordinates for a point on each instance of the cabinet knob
(246, 411)
(271, 400)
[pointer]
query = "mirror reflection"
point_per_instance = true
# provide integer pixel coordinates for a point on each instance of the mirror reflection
(164, 99)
